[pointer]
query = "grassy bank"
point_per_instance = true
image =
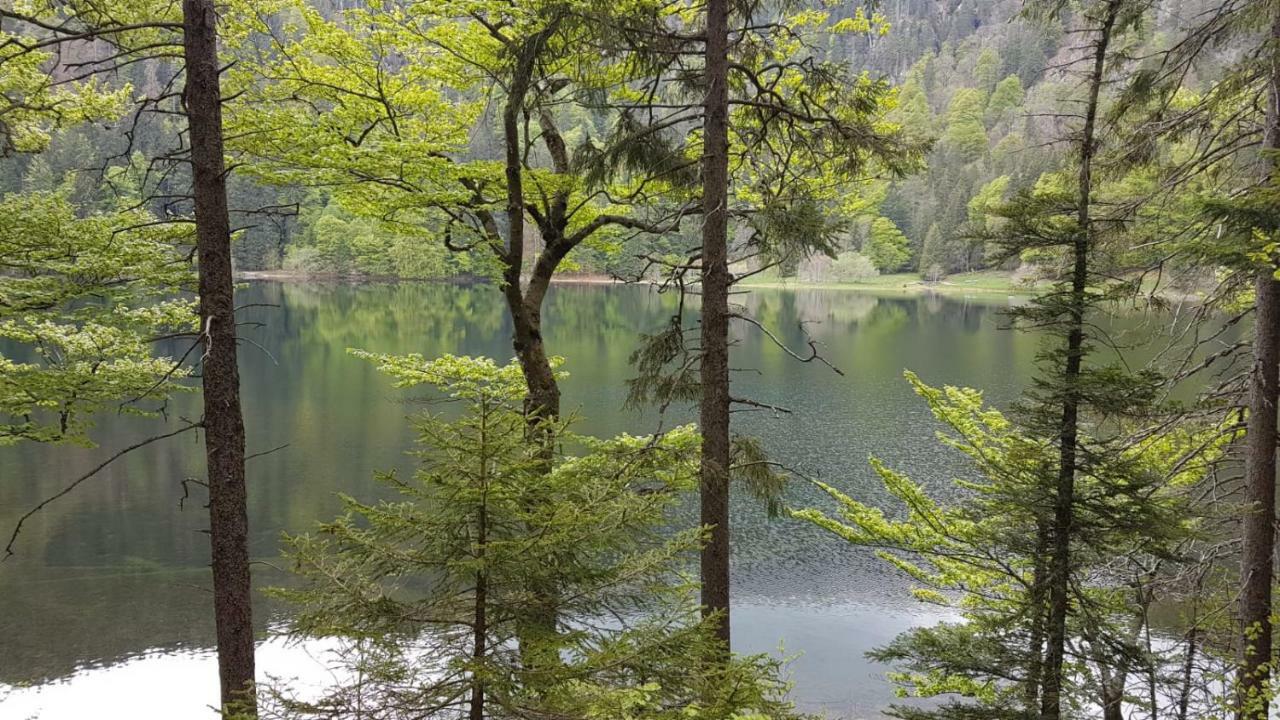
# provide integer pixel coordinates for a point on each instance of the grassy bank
(986, 281)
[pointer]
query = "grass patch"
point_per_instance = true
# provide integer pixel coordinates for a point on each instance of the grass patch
(983, 281)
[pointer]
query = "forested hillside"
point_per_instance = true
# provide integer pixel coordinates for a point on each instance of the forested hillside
(980, 80)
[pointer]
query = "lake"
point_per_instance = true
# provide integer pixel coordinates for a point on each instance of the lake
(106, 605)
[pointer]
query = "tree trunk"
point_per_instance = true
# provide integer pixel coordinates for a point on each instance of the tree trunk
(538, 628)
(1258, 553)
(1059, 575)
(223, 422)
(1188, 670)
(480, 630)
(543, 401)
(1035, 633)
(714, 410)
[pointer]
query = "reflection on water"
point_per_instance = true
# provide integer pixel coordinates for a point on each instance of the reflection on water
(108, 590)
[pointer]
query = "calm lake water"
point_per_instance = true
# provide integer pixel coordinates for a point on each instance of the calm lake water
(104, 611)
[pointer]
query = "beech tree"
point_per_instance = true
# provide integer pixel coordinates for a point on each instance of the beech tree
(476, 94)
(84, 297)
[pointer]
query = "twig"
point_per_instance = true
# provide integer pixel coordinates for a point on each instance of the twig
(13, 537)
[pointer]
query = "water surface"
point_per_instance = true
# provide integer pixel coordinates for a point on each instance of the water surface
(106, 604)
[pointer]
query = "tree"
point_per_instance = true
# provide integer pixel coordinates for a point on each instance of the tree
(223, 420)
(1073, 474)
(966, 135)
(1234, 230)
(1067, 387)
(781, 135)
(986, 70)
(987, 200)
(886, 246)
(1007, 96)
(714, 401)
(84, 297)
(341, 102)
(428, 592)
(975, 548)
(137, 33)
(1258, 554)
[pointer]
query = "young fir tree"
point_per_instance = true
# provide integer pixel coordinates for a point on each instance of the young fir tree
(981, 554)
(430, 593)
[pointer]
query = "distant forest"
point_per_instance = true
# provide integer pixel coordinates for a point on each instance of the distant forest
(987, 85)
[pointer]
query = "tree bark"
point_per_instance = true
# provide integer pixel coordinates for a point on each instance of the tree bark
(543, 402)
(480, 630)
(1257, 556)
(714, 409)
(538, 628)
(1059, 571)
(1259, 536)
(223, 421)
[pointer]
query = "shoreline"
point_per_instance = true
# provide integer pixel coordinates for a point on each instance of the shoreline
(290, 276)
(980, 284)
(908, 286)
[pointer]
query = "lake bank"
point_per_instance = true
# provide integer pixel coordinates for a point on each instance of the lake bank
(982, 283)
(985, 282)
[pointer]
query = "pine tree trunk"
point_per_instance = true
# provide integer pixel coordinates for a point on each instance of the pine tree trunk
(1258, 553)
(714, 410)
(1059, 571)
(1257, 556)
(223, 422)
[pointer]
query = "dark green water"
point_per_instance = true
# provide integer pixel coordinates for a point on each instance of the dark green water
(106, 597)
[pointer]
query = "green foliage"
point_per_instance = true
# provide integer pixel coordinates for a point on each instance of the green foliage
(35, 104)
(987, 69)
(977, 552)
(430, 593)
(1006, 97)
(81, 301)
(334, 241)
(851, 267)
(987, 200)
(966, 133)
(886, 246)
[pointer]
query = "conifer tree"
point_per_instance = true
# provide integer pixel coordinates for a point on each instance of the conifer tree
(977, 548)
(429, 592)
(1232, 228)
(782, 133)
(156, 33)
